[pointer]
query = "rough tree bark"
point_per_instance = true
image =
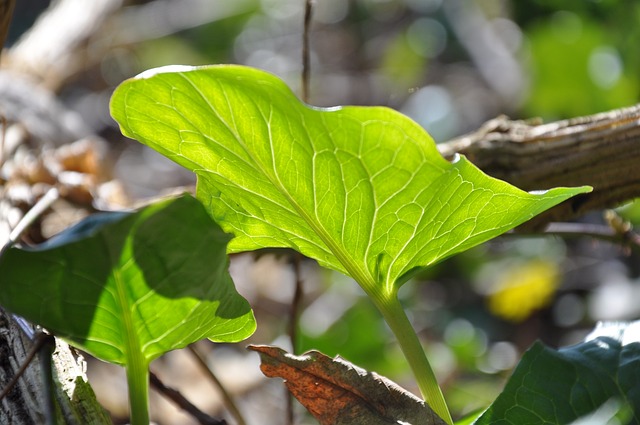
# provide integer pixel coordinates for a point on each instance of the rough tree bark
(75, 402)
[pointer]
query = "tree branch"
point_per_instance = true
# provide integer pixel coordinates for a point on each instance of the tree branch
(50, 50)
(601, 150)
(180, 401)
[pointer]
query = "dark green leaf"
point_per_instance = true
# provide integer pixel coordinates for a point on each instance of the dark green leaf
(559, 387)
(122, 284)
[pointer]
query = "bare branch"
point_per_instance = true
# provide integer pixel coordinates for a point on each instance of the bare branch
(40, 340)
(180, 401)
(228, 399)
(600, 150)
(306, 62)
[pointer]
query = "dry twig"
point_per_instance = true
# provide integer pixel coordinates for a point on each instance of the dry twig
(229, 402)
(180, 401)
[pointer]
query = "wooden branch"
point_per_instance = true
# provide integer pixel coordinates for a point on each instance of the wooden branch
(602, 151)
(180, 401)
(52, 50)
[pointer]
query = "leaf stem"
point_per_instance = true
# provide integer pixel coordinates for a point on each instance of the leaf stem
(138, 382)
(396, 318)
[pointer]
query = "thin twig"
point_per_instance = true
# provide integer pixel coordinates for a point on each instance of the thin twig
(228, 400)
(40, 341)
(182, 402)
(306, 62)
(595, 231)
(32, 215)
(297, 295)
(6, 13)
(290, 415)
(294, 312)
(3, 137)
(26, 327)
(294, 315)
(45, 354)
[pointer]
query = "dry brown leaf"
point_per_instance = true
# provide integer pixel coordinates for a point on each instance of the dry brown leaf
(337, 392)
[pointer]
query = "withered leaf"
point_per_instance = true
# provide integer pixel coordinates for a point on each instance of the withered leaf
(337, 392)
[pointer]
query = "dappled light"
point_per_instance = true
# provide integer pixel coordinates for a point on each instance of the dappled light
(420, 222)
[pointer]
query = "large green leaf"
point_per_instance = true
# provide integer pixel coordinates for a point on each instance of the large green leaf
(126, 286)
(363, 190)
(559, 387)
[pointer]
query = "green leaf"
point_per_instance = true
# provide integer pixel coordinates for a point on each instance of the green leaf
(559, 387)
(125, 286)
(363, 190)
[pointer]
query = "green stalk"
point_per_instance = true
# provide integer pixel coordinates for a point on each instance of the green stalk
(398, 321)
(137, 366)
(138, 382)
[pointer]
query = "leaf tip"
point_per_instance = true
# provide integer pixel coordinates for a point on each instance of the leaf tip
(574, 190)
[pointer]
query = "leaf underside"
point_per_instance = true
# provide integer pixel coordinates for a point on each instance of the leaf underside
(363, 190)
(141, 283)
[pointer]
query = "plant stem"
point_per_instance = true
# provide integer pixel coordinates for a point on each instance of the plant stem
(138, 382)
(398, 321)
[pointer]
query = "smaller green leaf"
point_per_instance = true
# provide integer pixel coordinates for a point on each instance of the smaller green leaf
(559, 387)
(124, 285)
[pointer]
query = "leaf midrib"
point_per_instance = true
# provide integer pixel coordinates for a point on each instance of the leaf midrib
(359, 274)
(130, 342)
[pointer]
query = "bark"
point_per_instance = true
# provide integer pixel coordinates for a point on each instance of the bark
(601, 150)
(74, 400)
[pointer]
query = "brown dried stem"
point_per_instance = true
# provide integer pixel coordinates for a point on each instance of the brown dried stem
(176, 397)
(228, 399)
(306, 54)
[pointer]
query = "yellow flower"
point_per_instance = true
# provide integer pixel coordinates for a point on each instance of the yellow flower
(524, 288)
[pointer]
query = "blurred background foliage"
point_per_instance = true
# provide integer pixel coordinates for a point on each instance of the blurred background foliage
(450, 65)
